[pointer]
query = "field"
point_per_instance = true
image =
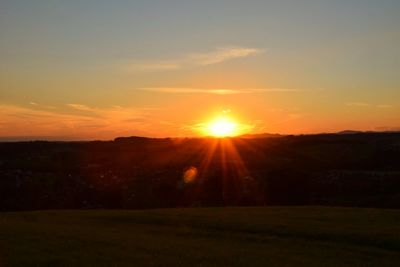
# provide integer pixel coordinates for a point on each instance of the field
(272, 236)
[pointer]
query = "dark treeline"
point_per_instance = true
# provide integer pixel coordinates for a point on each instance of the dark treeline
(135, 173)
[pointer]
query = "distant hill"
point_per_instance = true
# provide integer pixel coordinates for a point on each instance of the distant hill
(361, 132)
(38, 138)
(350, 132)
(262, 135)
(133, 139)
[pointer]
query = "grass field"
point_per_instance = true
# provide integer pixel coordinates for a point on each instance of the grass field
(273, 236)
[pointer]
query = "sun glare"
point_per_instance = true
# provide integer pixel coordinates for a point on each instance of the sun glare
(222, 127)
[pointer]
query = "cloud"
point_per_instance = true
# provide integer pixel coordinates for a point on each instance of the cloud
(223, 54)
(40, 106)
(257, 90)
(362, 104)
(101, 123)
(188, 90)
(357, 104)
(219, 55)
(80, 107)
(388, 129)
(384, 106)
(180, 90)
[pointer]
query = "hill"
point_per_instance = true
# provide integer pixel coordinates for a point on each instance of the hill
(135, 173)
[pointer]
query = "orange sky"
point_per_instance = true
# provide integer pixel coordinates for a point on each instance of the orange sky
(74, 70)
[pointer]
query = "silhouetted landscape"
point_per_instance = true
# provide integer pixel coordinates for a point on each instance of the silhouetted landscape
(180, 201)
(357, 170)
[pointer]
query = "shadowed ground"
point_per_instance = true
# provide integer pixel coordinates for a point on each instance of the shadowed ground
(273, 236)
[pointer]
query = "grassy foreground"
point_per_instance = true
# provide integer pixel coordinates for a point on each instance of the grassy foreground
(273, 236)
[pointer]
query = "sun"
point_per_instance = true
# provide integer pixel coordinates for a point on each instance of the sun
(222, 127)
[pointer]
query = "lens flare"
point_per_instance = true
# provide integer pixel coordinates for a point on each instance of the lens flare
(190, 175)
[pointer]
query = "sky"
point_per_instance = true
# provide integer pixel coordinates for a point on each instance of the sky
(84, 69)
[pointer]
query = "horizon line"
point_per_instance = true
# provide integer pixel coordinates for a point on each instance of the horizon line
(10, 139)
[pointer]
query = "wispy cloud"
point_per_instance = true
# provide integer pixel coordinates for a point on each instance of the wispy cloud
(188, 90)
(388, 128)
(216, 56)
(180, 90)
(40, 106)
(256, 90)
(100, 123)
(364, 104)
(80, 107)
(223, 54)
(357, 104)
(384, 106)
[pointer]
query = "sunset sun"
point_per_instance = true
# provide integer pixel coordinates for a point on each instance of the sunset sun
(222, 127)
